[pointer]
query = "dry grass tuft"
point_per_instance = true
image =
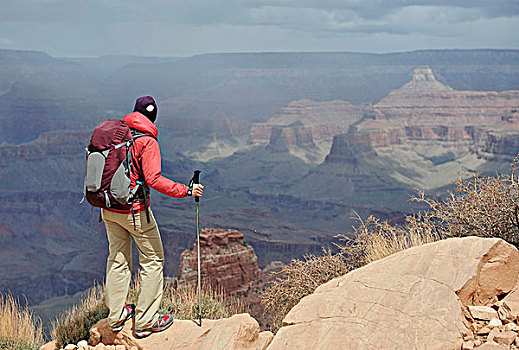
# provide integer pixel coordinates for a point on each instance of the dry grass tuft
(374, 239)
(182, 302)
(75, 323)
(19, 329)
(297, 279)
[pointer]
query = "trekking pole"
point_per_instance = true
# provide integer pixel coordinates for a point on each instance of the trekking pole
(196, 180)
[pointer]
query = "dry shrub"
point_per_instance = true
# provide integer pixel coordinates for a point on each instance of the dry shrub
(298, 279)
(19, 329)
(481, 206)
(182, 302)
(75, 323)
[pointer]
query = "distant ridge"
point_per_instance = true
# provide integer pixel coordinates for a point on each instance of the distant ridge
(419, 57)
(433, 56)
(8, 56)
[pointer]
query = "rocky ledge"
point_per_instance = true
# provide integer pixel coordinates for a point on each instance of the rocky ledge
(237, 332)
(459, 293)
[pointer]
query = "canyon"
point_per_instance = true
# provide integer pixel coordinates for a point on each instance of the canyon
(290, 148)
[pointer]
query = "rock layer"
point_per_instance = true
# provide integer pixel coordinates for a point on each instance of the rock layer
(226, 261)
(411, 299)
(427, 110)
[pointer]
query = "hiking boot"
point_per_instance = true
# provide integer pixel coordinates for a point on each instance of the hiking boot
(163, 323)
(128, 312)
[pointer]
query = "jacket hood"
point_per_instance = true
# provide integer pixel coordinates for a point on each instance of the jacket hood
(140, 122)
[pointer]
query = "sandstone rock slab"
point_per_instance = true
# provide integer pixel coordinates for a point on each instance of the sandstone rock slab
(482, 312)
(410, 299)
(505, 338)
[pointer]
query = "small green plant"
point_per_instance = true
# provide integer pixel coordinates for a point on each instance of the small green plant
(19, 329)
(75, 323)
(11, 344)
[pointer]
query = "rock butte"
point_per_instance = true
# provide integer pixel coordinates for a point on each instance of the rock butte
(227, 262)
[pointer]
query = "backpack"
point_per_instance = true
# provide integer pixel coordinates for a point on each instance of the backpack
(109, 166)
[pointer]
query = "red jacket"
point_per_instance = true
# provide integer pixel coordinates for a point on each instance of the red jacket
(146, 162)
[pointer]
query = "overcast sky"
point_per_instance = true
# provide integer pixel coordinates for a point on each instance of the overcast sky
(184, 28)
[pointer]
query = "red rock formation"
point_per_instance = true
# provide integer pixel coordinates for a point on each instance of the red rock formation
(423, 113)
(497, 144)
(226, 261)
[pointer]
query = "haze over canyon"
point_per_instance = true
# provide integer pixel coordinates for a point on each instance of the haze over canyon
(271, 132)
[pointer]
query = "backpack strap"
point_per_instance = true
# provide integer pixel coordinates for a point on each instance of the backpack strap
(137, 133)
(141, 187)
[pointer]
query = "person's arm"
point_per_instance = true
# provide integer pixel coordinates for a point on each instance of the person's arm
(152, 170)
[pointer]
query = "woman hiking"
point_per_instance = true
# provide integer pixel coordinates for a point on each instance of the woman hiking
(137, 221)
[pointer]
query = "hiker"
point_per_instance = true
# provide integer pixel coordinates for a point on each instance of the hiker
(137, 221)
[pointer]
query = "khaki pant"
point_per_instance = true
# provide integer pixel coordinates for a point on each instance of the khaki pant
(120, 230)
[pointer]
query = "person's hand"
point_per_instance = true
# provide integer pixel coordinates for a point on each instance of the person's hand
(198, 190)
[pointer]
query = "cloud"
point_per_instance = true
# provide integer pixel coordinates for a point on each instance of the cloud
(235, 11)
(161, 20)
(373, 9)
(365, 17)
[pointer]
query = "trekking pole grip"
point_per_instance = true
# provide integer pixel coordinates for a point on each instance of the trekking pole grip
(196, 180)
